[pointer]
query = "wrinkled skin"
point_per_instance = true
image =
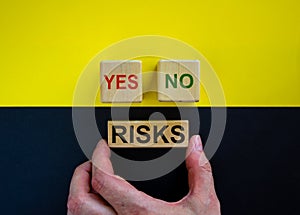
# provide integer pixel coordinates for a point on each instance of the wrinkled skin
(95, 189)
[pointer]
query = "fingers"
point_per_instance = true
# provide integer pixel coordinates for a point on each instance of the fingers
(80, 200)
(80, 183)
(118, 192)
(95, 205)
(80, 186)
(199, 172)
(125, 199)
(101, 158)
(89, 205)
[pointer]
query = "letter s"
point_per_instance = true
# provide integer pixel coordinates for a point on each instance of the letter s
(134, 83)
(143, 133)
(175, 131)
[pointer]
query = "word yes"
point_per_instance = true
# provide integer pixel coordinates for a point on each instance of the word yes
(120, 81)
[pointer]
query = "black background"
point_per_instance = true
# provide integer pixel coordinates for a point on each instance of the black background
(256, 167)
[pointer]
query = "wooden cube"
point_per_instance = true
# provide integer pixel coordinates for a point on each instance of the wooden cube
(121, 81)
(179, 80)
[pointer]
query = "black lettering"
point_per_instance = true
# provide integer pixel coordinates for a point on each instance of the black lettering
(131, 134)
(119, 134)
(143, 133)
(160, 133)
(175, 131)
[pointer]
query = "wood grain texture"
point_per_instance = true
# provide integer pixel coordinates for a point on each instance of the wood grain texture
(121, 81)
(179, 80)
(138, 134)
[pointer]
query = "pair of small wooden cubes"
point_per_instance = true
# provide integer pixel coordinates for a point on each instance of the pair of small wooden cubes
(177, 80)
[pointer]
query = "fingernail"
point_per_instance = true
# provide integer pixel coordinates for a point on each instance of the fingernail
(197, 144)
(101, 142)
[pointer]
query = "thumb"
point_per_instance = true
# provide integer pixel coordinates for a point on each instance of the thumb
(101, 158)
(199, 173)
(114, 189)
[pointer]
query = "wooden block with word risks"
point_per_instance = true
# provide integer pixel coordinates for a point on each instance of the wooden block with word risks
(121, 81)
(159, 134)
(179, 80)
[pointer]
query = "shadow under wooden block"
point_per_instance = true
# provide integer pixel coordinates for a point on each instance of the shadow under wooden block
(121, 81)
(179, 80)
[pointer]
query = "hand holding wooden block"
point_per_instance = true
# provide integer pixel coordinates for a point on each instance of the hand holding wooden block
(121, 81)
(179, 80)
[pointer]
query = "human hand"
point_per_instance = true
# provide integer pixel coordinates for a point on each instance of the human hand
(82, 198)
(124, 199)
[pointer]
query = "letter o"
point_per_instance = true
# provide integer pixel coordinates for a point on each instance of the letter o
(191, 81)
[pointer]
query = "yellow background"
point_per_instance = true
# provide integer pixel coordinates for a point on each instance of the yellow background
(254, 46)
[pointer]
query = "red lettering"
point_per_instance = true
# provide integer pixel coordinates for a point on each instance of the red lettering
(109, 80)
(120, 80)
(134, 83)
